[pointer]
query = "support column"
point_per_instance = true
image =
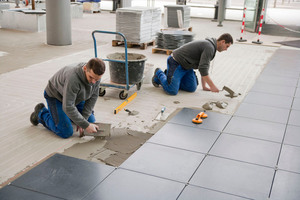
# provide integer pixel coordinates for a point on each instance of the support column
(221, 11)
(58, 22)
(125, 3)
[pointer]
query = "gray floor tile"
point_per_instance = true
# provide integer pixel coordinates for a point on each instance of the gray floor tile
(297, 94)
(11, 192)
(185, 137)
(272, 114)
(286, 186)
(289, 158)
(164, 162)
(292, 135)
(283, 54)
(123, 184)
(185, 116)
(256, 128)
(286, 59)
(247, 149)
(294, 118)
(278, 80)
(296, 103)
(272, 100)
(64, 177)
(193, 192)
(291, 65)
(273, 89)
(280, 72)
(238, 178)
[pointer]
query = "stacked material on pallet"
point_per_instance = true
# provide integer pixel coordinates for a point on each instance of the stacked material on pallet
(172, 39)
(91, 6)
(177, 16)
(138, 24)
(159, 41)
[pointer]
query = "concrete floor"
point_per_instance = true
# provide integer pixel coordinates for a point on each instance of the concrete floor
(27, 62)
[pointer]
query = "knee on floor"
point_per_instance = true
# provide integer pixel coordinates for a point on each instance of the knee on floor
(65, 133)
(173, 92)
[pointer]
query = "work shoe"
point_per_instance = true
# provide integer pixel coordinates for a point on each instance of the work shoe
(155, 84)
(34, 117)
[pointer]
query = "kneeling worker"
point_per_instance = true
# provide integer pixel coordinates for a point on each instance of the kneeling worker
(71, 95)
(182, 62)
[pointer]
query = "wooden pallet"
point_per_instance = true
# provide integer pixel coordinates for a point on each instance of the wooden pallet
(92, 11)
(181, 29)
(133, 44)
(158, 50)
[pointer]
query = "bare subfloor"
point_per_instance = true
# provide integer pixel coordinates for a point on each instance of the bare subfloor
(112, 151)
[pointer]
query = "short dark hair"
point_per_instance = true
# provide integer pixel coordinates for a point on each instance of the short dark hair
(227, 37)
(97, 65)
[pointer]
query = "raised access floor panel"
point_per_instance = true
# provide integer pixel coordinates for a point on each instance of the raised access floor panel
(245, 149)
(62, 177)
(166, 162)
(11, 192)
(214, 122)
(255, 128)
(125, 184)
(286, 186)
(234, 177)
(193, 192)
(185, 137)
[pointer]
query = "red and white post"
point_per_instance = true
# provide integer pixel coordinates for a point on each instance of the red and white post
(243, 27)
(260, 27)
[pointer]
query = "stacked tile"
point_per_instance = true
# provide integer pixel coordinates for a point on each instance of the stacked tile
(156, 22)
(160, 40)
(187, 36)
(172, 39)
(138, 24)
(172, 16)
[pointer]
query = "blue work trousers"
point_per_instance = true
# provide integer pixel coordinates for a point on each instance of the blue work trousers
(56, 120)
(177, 78)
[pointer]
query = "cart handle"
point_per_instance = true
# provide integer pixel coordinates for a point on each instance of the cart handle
(125, 44)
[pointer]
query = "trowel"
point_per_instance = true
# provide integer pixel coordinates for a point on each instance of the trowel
(231, 94)
(103, 131)
(131, 112)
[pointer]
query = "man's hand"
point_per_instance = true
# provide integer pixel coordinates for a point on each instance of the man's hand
(210, 83)
(205, 88)
(214, 89)
(92, 128)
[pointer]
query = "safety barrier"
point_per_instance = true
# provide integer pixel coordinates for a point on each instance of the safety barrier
(243, 27)
(260, 27)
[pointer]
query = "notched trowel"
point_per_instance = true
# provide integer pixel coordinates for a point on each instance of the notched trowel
(103, 131)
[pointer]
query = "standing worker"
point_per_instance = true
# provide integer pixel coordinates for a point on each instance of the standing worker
(182, 62)
(71, 95)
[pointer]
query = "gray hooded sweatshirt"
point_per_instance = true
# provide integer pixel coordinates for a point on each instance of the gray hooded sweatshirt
(197, 55)
(70, 86)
